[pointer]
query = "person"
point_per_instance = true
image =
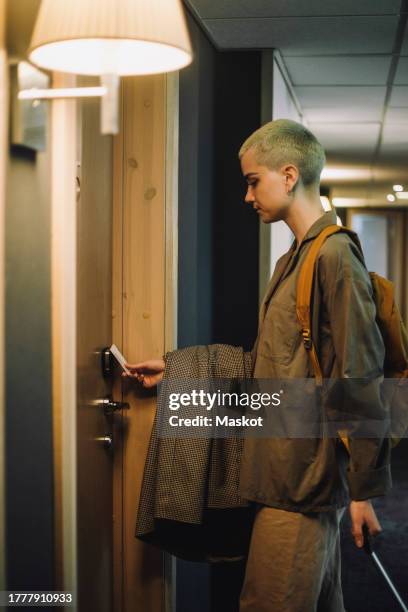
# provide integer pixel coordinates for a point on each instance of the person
(301, 486)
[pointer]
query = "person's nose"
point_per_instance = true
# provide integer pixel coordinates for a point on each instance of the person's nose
(249, 198)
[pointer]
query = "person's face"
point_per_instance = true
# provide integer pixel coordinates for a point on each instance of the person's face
(268, 190)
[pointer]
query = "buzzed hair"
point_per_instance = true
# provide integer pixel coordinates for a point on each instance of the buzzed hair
(283, 142)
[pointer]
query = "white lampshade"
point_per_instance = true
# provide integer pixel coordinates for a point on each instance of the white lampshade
(120, 37)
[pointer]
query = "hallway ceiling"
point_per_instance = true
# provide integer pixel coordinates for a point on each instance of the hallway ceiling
(348, 63)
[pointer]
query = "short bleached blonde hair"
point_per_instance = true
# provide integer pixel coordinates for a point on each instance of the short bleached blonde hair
(284, 141)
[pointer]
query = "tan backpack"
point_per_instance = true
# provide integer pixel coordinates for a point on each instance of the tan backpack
(388, 319)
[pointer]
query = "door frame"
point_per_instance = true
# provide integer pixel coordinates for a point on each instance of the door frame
(64, 312)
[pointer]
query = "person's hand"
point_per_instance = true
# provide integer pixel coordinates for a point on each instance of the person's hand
(362, 512)
(148, 373)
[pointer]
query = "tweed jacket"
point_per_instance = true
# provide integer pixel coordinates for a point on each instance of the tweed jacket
(189, 502)
(311, 475)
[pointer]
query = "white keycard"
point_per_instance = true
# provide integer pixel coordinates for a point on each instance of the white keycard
(119, 357)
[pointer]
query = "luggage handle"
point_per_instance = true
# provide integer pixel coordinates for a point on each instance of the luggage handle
(380, 568)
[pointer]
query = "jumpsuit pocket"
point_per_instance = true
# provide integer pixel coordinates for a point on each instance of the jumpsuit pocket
(280, 333)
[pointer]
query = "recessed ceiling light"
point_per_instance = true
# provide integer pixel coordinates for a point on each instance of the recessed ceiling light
(344, 202)
(391, 197)
(346, 173)
(398, 188)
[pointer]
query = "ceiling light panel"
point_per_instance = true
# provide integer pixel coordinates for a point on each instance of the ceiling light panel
(346, 70)
(321, 36)
(396, 115)
(346, 202)
(342, 114)
(208, 9)
(401, 75)
(347, 137)
(399, 96)
(404, 48)
(395, 138)
(353, 97)
(345, 174)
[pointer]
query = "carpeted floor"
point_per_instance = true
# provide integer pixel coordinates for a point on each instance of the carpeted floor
(364, 589)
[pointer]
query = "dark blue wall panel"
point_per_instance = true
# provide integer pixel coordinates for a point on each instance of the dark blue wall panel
(218, 244)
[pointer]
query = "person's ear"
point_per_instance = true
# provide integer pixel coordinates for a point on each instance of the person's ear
(291, 177)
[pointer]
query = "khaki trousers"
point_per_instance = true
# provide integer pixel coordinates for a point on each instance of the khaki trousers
(293, 563)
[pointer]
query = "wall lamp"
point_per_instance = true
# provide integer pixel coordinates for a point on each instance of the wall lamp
(110, 39)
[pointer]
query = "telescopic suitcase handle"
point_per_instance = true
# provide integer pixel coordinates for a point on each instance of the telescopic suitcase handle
(369, 550)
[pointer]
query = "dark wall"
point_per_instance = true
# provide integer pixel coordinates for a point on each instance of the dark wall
(29, 452)
(235, 224)
(195, 248)
(218, 244)
(196, 193)
(218, 232)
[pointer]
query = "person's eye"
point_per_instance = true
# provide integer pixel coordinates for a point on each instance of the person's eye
(253, 183)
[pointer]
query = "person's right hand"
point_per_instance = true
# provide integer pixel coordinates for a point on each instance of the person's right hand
(148, 373)
(362, 513)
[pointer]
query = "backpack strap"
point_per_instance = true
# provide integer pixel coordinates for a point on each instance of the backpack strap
(304, 295)
(303, 299)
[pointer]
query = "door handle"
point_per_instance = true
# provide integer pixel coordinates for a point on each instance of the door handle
(107, 441)
(110, 406)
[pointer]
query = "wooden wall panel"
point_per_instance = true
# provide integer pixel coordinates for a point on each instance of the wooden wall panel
(139, 321)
